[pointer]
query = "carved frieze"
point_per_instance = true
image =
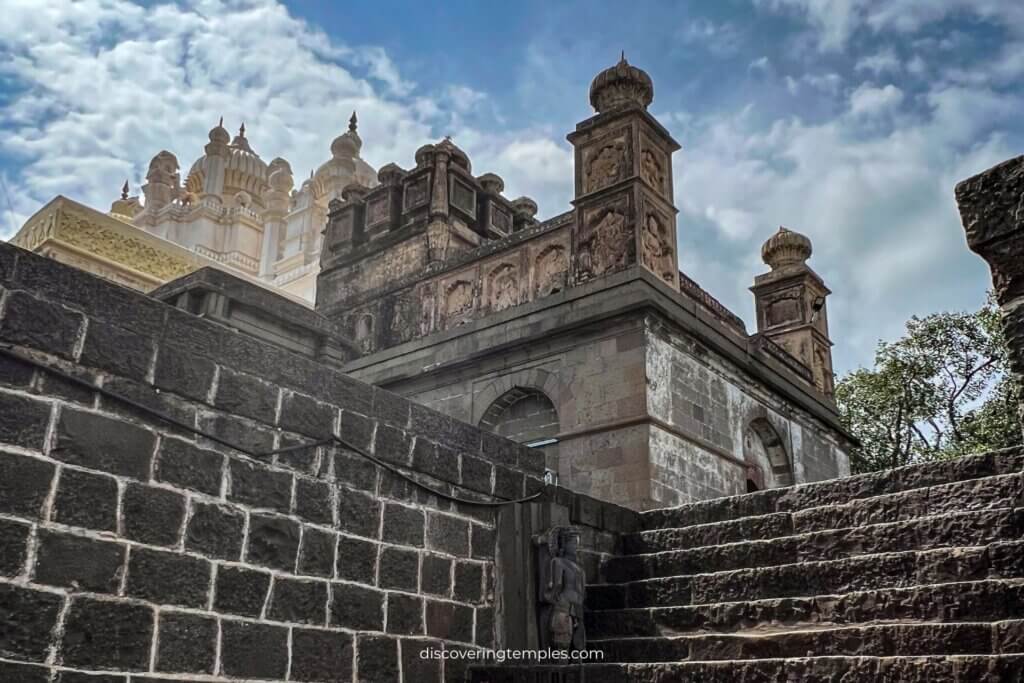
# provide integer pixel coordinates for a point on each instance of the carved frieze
(605, 238)
(654, 167)
(361, 325)
(606, 161)
(656, 250)
(503, 287)
(550, 270)
(785, 306)
(403, 326)
(417, 192)
(457, 304)
(378, 210)
(463, 197)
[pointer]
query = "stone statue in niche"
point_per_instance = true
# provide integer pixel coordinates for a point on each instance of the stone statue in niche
(402, 315)
(363, 332)
(458, 301)
(657, 249)
(606, 165)
(783, 309)
(650, 168)
(426, 322)
(504, 289)
(550, 271)
(561, 587)
(606, 248)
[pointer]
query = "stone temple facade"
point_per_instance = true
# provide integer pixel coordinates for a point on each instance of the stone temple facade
(578, 334)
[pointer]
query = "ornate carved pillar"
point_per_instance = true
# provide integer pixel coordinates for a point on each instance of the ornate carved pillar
(438, 231)
(992, 211)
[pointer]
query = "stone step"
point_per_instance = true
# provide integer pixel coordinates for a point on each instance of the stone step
(873, 640)
(998, 491)
(807, 579)
(955, 529)
(838, 491)
(972, 601)
(931, 669)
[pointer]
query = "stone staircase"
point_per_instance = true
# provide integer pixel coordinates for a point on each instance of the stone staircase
(915, 574)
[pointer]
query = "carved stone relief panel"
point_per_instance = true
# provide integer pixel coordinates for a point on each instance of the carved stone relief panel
(427, 298)
(783, 307)
(361, 327)
(550, 270)
(605, 238)
(457, 300)
(463, 197)
(502, 287)
(417, 192)
(654, 166)
(656, 250)
(500, 220)
(403, 326)
(606, 161)
(378, 210)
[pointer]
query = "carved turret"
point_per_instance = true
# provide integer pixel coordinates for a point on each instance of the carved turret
(625, 215)
(790, 303)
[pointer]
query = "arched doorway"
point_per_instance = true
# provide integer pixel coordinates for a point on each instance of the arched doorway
(767, 464)
(527, 416)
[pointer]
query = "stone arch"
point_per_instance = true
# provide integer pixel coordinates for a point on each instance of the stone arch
(523, 406)
(768, 464)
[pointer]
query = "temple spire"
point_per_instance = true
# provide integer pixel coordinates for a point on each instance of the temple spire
(353, 122)
(124, 190)
(241, 130)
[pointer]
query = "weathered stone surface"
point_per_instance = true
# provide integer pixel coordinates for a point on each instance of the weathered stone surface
(101, 443)
(359, 513)
(13, 547)
(87, 500)
(183, 373)
(273, 542)
(215, 530)
(23, 421)
(29, 617)
(357, 559)
(187, 643)
(399, 569)
(183, 464)
(448, 534)
(80, 563)
(240, 591)
(167, 578)
(436, 575)
(257, 486)
(40, 325)
(152, 515)
(107, 635)
(24, 484)
(356, 607)
(250, 650)
(316, 554)
(321, 655)
(449, 621)
(298, 601)
(405, 614)
(117, 350)
(378, 658)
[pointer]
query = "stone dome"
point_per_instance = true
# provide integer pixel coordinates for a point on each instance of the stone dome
(280, 175)
(348, 144)
(345, 165)
(243, 168)
(786, 248)
(218, 134)
(621, 86)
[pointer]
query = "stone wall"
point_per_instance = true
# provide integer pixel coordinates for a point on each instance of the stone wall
(134, 546)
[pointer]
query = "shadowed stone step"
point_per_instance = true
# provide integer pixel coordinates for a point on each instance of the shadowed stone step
(934, 669)
(1001, 491)
(838, 491)
(961, 602)
(876, 640)
(806, 579)
(956, 529)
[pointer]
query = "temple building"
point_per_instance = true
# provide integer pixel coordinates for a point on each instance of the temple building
(577, 334)
(232, 210)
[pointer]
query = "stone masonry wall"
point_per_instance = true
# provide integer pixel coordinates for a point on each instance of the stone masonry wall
(133, 547)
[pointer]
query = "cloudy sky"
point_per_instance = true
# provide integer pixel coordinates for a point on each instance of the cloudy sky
(847, 120)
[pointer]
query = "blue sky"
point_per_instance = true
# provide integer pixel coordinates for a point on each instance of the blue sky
(849, 120)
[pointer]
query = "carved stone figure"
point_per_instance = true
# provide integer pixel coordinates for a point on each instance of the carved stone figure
(426, 322)
(652, 171)
(605, 166)
(562, 588)
(363, 332)
(606, 248)
(504, 290)
(402, 315)
(657, 249)
(550, 271)
(458, 301)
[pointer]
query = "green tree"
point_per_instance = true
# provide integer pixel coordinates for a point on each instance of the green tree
(939, 391)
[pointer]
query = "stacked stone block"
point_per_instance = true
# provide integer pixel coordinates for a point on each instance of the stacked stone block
(132, 549)
(915, 574)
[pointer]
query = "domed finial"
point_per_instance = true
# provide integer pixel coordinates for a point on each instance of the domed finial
(786, 248)
(621, 86)
(124, 190)
(353, 122)
(241, 130)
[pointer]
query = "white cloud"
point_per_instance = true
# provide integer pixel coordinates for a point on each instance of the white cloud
(869, 100)
(879, 63)
(103, 85)
(720, 39)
